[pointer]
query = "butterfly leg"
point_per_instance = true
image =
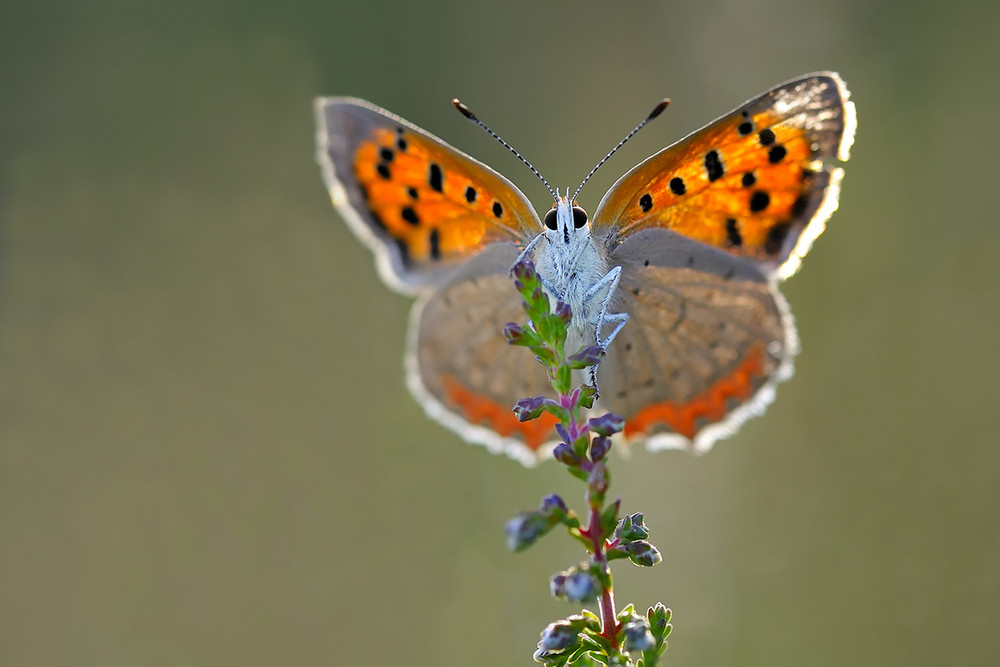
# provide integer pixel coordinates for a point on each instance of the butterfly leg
(605, 290)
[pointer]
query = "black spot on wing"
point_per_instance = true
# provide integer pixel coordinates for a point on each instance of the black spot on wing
(410, 216)
(677, 186)
(776, 237)
(713, 165)
(435, 244)
(435, 177)
(733, 233)
(646, 203)
(759, 201)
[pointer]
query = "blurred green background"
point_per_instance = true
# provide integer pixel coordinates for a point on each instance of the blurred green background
(208, 456)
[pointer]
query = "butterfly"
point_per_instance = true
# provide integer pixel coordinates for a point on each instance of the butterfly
(676, 274)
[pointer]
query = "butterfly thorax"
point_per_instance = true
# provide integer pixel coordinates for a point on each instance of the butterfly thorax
(570, 264)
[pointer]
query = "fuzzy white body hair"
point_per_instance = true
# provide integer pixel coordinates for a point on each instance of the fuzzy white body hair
(569, 272)
(573, 270)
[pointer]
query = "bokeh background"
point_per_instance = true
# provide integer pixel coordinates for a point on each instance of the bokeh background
(208, 457)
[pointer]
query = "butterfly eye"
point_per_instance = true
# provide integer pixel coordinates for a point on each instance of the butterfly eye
(579, 217)
(550, 219)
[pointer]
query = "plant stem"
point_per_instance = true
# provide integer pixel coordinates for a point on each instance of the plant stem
(609, 622)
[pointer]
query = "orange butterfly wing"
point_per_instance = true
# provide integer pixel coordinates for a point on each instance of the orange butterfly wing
(420, 204)
(755, 182)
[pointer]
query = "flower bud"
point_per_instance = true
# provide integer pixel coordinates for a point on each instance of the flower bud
(565, 455)
(607, 424)
(637, 636)
(530, 408)
(599, 448)
(632, 528)
(580, 586)
(524, 529)
(563, 312)
(524, 272)
(589, 356)
(557, 585)
(553, 504)
(659, 620)
(642, 553)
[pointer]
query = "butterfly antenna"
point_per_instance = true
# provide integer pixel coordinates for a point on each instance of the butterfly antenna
(471, 116)
(652, 114)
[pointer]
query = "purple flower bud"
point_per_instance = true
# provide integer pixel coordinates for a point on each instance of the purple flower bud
(637, 636)
(563, 312)
(552, 504)
(580, 587)
(524, 271)
(599, 448)
(514, 333)
(607, 424)
(530, 408)
(565, 454)
(523, 530)
(563, 433)
(557, 636)
(588, 356)
(557, 586)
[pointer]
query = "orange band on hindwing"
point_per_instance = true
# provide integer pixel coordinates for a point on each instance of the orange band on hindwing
(480, 410)
(710, 405)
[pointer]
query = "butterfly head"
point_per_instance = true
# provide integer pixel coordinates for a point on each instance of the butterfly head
(566, 222)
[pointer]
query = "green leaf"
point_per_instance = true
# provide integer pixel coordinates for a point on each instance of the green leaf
(563, 380)
(609, 517)
(626, 614)
(545, 355)
(588, 396)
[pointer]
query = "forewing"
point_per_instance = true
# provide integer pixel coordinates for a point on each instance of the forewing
(420, 204)
(756, 183)
(707, 340)
(461, 368)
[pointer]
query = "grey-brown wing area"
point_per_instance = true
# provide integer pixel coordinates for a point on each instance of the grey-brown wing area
(460, 366)
(700, 321)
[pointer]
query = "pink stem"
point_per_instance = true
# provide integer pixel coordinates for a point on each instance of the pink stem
(609, 622)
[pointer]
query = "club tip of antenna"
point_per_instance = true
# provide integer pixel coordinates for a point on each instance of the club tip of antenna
(463, 109)
(658, 109)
